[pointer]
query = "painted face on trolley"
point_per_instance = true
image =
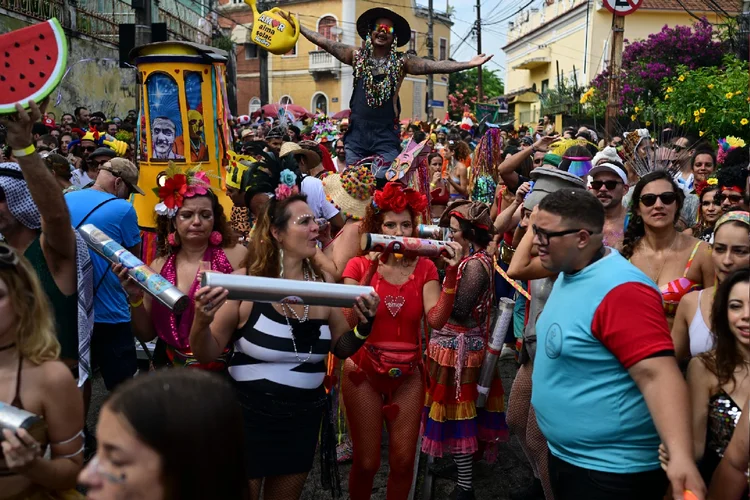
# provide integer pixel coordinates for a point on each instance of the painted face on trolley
(397, 224)
(124, 467)
(730, 249)
(194, 221)
(300, 236)
(382, 32)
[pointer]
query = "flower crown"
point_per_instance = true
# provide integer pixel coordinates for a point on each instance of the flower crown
(725, 146)
(288, 185)
(179, 185)
(396, 198)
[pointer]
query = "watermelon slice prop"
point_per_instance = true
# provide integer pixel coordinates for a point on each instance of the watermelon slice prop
(32, 63)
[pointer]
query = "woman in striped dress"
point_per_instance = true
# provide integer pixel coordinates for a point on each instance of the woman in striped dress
(278, 367)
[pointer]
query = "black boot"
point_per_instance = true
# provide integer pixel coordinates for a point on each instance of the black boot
(462, 494)
(534, 491)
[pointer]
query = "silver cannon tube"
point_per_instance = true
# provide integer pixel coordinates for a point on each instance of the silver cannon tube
(431, 232)
(495, 345)
(13, 418)
(411, 247)
(149, 280)
(259, 289)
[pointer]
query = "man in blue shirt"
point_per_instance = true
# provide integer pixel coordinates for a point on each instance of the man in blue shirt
(105, 205)
(606, 386)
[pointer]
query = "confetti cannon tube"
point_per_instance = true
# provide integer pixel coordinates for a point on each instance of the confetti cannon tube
(495, 345)
(149, 280)
(13, 418)
(431, 232)
(411, 247)
(259, 289)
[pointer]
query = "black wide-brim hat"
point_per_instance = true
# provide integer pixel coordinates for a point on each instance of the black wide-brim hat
(401, 28)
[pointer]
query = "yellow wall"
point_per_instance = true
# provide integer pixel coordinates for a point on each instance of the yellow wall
(290, 75)
(564, 43)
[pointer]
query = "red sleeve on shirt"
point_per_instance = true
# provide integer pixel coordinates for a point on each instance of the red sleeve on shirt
(355, 269)
(630, 322)
(429, 270)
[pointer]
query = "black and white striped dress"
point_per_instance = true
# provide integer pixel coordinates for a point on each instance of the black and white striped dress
(282, 396)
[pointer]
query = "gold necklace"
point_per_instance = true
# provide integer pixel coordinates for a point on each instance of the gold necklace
(664, 260)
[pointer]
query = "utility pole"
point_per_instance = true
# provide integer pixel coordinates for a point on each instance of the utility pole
(143, 20)
(431, 56)
(480, 90)
(615, 63)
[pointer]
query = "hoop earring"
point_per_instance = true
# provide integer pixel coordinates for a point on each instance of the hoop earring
(281, 262)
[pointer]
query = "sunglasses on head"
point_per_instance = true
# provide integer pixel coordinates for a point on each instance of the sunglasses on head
(384, 28)
(610, 185)
(649, 200)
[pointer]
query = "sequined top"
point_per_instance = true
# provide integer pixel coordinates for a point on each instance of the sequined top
(175, 330)
(723, 415)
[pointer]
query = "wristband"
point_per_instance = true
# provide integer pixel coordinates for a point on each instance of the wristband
(27, 151)
(137, 303)
(449, 291)
(358, 335)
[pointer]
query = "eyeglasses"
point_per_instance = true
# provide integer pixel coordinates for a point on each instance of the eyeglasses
(610, 185)
(453, 231)
(544, 236)
(383, 28)
(667, 198)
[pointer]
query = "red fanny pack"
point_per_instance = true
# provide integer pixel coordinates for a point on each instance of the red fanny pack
(392, 359)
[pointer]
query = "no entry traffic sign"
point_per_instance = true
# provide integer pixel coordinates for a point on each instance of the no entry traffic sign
(622, 7)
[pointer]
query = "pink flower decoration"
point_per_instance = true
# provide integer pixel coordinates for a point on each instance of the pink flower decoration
(282, 192)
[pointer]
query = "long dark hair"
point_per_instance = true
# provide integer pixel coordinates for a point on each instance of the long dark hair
(725, 357)
(193, 421)
(636, 229)
(165, 225)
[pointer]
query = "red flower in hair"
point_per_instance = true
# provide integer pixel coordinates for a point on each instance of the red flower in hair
(396, 198)
(173, 191)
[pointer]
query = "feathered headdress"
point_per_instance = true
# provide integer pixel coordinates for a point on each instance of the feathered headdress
(178, 185)
(100, 139)
(725, 146)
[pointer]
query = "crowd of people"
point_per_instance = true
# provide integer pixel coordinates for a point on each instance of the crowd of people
(626, 261)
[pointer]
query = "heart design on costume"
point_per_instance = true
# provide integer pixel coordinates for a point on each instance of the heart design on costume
(330, 381)
(394, 303)
(275, 23)
(390, 412)
(357, 377)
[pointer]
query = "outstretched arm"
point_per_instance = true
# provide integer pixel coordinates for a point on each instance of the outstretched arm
(422, 66)
(341, 51)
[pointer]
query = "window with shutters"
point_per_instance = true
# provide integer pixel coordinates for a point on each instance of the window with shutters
(413, 41)
(443, 53)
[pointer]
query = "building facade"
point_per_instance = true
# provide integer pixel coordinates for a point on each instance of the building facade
(571, 39)
(312, 78)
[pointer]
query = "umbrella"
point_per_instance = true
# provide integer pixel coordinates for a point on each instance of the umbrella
(344, 113)
(273, 110)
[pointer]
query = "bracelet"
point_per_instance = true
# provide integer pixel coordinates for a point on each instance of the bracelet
(27, 151)
(358, 335)
(137, 303)
(449, 291)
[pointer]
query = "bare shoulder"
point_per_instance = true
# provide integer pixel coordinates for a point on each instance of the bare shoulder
(236, 254)
(158, 263)
(241, 270)
(698, 372)
(55, 378)
(691, 300)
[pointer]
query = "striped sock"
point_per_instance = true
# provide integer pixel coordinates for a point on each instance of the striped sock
(465, 464)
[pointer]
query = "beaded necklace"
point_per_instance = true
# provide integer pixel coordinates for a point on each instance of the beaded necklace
(378, 92)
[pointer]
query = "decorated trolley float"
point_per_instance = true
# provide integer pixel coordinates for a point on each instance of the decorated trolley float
(183, 117)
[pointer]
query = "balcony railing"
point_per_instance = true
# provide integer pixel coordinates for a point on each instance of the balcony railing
(321, 62)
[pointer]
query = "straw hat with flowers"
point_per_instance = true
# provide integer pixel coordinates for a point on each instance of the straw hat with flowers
(351, 190)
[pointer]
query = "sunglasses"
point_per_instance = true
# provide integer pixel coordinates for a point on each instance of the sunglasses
(384, 28)
(677, 148)
(610, 185)
(649, 200)
(90, 149)
(544, 236)
(733, 197)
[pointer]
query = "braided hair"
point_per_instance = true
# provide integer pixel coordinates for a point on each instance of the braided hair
(636, 228)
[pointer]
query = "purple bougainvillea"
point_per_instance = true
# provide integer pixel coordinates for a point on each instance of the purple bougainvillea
(645, 63)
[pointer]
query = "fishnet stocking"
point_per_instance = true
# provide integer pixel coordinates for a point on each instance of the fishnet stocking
(288, 487)
(522, 422)
(364, 410)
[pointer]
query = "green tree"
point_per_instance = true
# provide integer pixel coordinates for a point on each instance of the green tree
(463, 90)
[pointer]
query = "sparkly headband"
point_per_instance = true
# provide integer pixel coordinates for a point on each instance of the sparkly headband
(736, 189)
(733, 216)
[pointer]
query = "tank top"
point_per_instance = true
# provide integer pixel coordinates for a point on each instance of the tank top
(701, 339)
(265, 361)
(723, 415)
(385, 113)
(4, 470)
(64, 308)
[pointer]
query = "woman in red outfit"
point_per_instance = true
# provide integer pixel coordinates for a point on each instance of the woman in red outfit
(383, 381)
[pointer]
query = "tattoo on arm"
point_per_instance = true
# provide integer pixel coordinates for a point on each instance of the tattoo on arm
(422, 66)
(341, 51)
